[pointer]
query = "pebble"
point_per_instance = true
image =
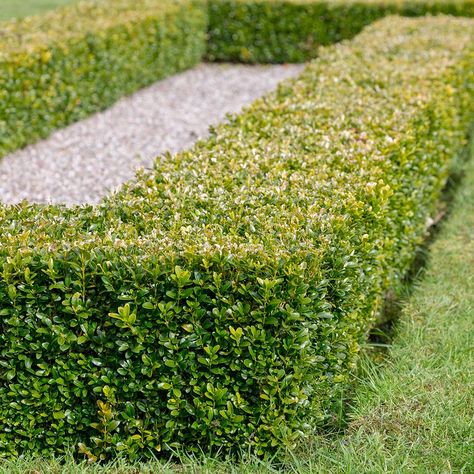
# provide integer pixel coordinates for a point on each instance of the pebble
(86, 160)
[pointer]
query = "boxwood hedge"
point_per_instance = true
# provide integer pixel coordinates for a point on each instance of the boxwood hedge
(277, 31)
(219, 301)
(61, 67)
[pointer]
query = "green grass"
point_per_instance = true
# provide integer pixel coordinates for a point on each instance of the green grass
(20, 8)
(416, 413)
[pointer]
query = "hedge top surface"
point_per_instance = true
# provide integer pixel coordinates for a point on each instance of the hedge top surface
(246, 191)
(73, 21)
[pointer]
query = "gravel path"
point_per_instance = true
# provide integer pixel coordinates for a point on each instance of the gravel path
(84, 161)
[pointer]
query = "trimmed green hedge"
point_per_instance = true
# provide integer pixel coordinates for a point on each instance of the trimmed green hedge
(278, 31)
(219, 301)
(63, 66)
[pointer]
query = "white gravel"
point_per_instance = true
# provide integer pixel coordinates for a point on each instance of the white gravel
(82, 162)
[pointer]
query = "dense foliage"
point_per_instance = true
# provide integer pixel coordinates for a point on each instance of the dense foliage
(218, 302)
(61, 67)
(277, 31)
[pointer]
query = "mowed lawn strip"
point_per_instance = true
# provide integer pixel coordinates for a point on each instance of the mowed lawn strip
(21, 8)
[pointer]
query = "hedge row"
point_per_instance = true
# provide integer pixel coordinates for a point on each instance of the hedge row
(219, 301)
(61, 67)
(58, 68)
(278, 31)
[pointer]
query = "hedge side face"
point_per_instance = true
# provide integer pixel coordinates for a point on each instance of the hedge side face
(279, 31)
(219, 301)
(94, 54)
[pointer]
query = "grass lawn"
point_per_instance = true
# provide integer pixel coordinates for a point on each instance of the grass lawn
(20, 8)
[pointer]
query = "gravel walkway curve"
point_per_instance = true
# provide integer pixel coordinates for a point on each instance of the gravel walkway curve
(84, 161)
